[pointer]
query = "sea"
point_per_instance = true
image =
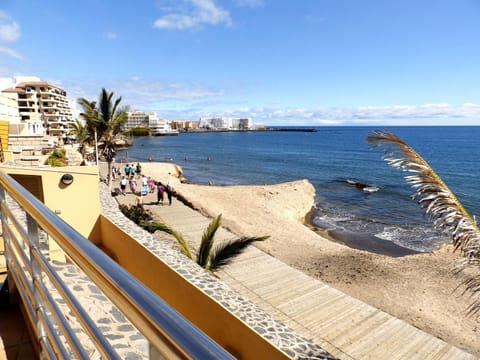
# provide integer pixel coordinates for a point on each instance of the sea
(332, 159)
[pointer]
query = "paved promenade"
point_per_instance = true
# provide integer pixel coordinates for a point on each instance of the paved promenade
(340, 324)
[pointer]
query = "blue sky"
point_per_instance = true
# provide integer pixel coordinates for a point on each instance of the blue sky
(310, 62)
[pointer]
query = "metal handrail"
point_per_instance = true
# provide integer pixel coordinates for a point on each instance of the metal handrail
(166, 330)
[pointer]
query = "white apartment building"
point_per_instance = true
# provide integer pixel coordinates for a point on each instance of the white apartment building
(148, 120)
(9, 112)
(242, 124)
(139, 119)
(9, 108)
(224, 123)
(43, 107)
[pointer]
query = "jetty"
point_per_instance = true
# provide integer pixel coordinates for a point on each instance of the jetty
(295, 129)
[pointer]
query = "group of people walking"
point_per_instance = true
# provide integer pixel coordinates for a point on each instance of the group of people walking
(147, 185)
(130, 170)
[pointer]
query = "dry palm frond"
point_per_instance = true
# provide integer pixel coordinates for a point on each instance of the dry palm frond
(440, 204)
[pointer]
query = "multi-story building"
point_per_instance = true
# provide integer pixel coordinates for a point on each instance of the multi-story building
(42, 106)
(9, 108)
(148, 120)
(184, 125)
(225, 123)
(9, 112)
(242, 124)
(161, 127)
(138, 118)
(215, 123)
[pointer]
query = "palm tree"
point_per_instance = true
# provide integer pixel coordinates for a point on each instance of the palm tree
(105, 118)
(440, 204)
(82, 135)
(89, 114)
(211, 257)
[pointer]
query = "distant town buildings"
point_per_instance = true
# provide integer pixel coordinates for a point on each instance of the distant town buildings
(184, 125)
(35, 108)
(150, 120)
(42, 108)
(225, 123)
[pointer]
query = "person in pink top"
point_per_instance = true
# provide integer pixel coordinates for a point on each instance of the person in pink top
(151, 184)
(133, 184)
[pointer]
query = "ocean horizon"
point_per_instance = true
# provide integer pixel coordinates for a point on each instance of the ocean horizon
(332, 159)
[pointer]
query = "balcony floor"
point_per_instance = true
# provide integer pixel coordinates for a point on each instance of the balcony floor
(15, 342)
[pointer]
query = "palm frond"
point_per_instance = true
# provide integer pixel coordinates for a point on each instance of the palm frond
(181, 241)
(224, 253)
(440, 204)
(207, 241)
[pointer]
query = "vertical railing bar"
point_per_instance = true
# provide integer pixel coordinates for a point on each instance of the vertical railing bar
(45, 344)
(48, 348)
(68, 332)
(87, 323)
(53, 339)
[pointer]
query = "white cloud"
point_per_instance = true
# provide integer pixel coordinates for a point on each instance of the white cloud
(428, 114)
(9, 32)
(11, 53)
(192, 101)
(6, 82)
(198, 13)
(9, 29)
(110, 35)
(140, 93)
(147, 92)
(250, 3)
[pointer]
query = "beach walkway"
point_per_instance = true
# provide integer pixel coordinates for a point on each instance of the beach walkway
(344, 326)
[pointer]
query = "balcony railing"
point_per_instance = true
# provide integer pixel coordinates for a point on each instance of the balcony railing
(27, 223)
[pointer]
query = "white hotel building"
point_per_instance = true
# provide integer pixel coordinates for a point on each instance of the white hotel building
(42, 107)
(146, 120)
(137, 119)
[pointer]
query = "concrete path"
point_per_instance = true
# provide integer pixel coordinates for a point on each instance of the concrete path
(340, 324)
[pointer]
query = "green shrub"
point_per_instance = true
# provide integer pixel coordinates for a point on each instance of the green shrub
(139, 216)
(57, 158)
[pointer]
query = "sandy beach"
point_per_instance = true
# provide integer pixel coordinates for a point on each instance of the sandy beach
(418, 288)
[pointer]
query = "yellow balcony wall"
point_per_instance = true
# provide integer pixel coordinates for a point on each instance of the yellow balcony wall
(204, 312)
